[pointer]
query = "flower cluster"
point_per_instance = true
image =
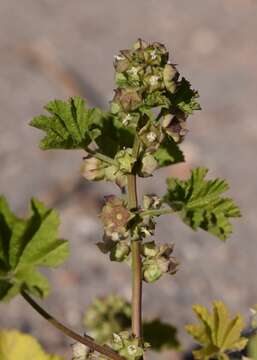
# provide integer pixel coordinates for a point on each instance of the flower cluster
(144, 76)
(128, 346)
(94, 169)
(150, 105)
(125, 344)
(146, 79)
(120, 224)
(157, 260)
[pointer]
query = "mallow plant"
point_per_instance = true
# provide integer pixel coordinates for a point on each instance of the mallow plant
(139, 133)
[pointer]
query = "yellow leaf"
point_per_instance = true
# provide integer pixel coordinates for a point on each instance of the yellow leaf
(221, 320)
(17, 346)
(206, 318)
(216, 332)
(233, 332)
(198, 333)
(204, 353)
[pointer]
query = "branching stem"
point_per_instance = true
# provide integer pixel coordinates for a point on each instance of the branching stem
(85, 340)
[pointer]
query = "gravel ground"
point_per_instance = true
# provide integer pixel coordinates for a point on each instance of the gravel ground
(54, 49)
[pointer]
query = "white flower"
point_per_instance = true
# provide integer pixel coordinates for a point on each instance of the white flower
(133, 71)
(119, 57)
(115, 236)
(154, 80)
(116, 338)
(153, 54)
(132, 349)
(126, 119)
(151, 136)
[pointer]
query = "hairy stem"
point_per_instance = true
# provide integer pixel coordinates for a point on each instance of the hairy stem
(136, 258)
(85, 340)
(136, 266)
(156, 212)
(100, 156)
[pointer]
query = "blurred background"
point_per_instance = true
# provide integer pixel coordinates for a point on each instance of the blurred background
(55, 49)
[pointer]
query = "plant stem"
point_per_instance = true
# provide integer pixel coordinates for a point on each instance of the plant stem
(136, 266)
(100, 156)
(155, 212)
(136, 258)
(85, 340)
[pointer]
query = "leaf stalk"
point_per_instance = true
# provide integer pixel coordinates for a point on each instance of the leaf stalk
(85, 340)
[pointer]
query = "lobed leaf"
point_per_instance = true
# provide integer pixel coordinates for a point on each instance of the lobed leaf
(185, 98)
(216, 332)
(28, 244)
(68, 126)
(200, 205)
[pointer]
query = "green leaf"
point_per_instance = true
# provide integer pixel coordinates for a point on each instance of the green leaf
(68, 126)
(185, 98)
(113, 136)
(216, 332)
(36, 283)
(29, 243)
(200, 205)
(168, 153)
(7, 220)
(26, 347)
(160, 335)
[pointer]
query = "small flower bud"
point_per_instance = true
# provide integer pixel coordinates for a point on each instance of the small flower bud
(149, 164)
(128, 98)
(175, 127)
(170, 76)
(112, 173)
(151, 136)
(80, 351)
(151, 270)
(125, 160)
(149, 249)
(121, 63)
(140, 44)
(92, 169)
(120, 251)
(151, 202)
